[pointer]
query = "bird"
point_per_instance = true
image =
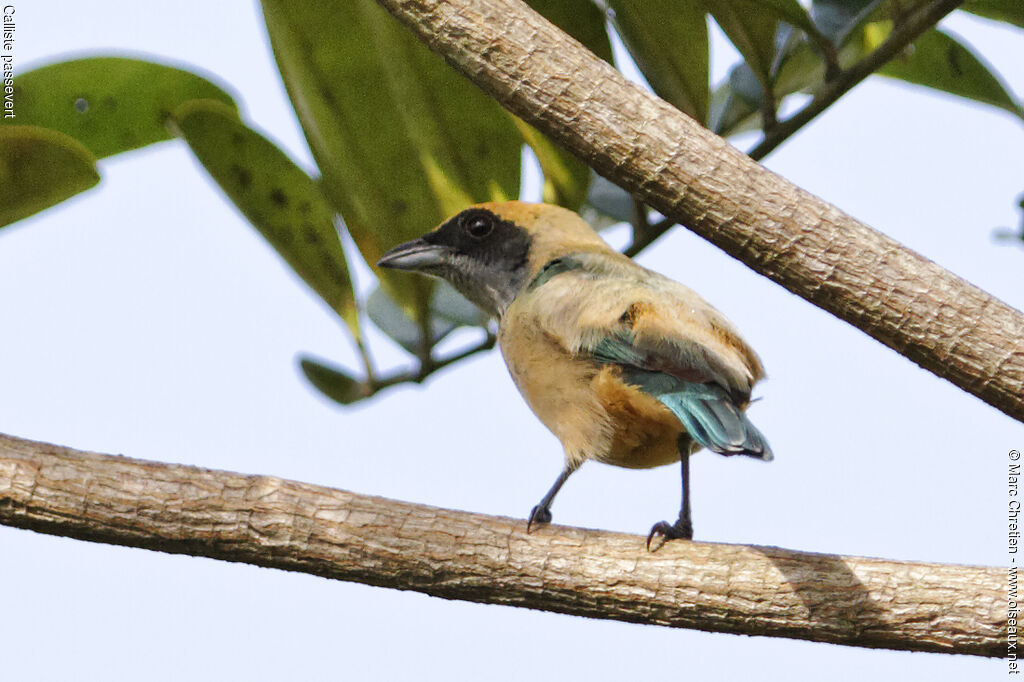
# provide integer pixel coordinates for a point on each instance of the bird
(623, 365)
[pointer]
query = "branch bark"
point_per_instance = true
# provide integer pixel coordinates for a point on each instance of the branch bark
(293, 526)
(694, 177)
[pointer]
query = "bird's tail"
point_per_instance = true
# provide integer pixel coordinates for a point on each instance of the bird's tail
(708, 413)
(714, 420)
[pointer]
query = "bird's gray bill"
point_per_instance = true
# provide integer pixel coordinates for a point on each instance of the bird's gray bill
(414, 255)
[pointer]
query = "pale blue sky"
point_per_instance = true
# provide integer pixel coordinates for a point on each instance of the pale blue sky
(147, 318)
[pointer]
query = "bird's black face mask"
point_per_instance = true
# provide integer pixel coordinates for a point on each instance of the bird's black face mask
(481, 255)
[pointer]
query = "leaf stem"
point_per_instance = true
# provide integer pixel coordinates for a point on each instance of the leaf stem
(420, 375)
(643, 239)
(364, 354)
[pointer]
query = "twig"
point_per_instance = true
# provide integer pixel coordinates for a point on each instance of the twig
(650, 233)
(292, 526)
(425, 349)
(420, 375)
(364, 355)
(769, 117)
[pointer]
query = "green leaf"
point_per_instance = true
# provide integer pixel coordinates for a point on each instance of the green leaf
(566, 178)
(755, 27)
(939, 61)
(735, 105)
(332, 382)
(839, 20)
(582, 19)
(449, 310)
(610, 200)
(726, 111)
(751, 26)
(109, 104)
(278, 198)
(792, 13)
(668, 40)
(393, 321)
(765, 33)
(40, 168)
(449, 304)
(401, 139)
(1010, 11)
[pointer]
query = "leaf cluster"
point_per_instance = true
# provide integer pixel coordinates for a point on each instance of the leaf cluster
(401, 141)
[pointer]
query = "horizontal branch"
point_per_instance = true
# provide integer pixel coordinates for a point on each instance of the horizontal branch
(695, 178)
(292, 526)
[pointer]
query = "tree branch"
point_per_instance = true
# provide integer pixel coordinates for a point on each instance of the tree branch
(271, 522)
(696, 178)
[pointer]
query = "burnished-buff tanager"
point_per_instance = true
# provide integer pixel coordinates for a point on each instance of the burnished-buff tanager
(623, 365)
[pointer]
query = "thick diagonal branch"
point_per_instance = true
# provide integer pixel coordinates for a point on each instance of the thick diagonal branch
(456, 555)
(694, 177)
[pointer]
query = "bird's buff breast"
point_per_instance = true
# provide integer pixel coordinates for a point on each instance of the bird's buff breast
(587, 406)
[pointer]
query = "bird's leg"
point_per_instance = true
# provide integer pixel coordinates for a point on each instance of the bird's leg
(542, 512)
(683, 527)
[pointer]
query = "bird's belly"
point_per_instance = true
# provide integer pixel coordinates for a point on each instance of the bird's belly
(589, 409)
(558, 388)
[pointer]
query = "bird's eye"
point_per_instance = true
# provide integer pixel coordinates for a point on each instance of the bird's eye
(478, 225)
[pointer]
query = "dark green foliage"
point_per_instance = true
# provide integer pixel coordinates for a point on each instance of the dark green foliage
(402, 141)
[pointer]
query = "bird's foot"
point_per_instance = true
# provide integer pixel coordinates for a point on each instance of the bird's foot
(538, 515)
(680, 530)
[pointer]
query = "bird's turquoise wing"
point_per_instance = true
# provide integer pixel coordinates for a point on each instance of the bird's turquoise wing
(707, 411)
(681, 370)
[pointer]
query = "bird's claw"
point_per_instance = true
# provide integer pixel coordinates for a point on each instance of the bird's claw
(538, 515)
(680, 530)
